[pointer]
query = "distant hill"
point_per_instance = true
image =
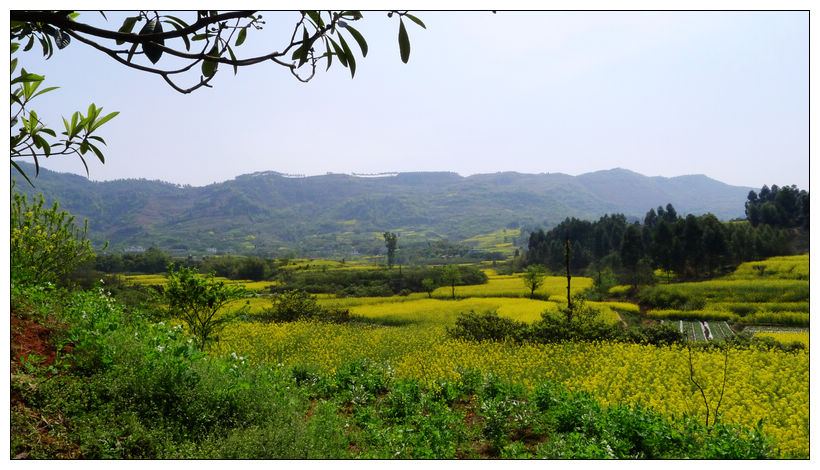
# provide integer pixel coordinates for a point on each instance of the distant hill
(269, 213)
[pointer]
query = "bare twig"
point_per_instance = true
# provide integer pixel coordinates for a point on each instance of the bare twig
(692, 378)
(723, 387)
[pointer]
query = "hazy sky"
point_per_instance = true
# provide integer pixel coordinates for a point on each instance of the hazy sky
(724, 94)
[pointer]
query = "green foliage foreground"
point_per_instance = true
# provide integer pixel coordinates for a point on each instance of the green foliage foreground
(133, 389)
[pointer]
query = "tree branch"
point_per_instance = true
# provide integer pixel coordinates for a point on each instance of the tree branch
(61, 20)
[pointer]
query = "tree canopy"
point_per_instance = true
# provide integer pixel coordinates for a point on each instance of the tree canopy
(146, 39)
(205, 41)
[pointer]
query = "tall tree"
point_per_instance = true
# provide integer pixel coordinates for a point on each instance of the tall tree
(693, 243)
(534, 278)
(391, 241)
(451, 277)
(632, 250)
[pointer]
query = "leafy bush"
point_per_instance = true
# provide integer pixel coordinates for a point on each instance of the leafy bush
(583, 325)
(375, 282)
(659, 335)
(197, 300)
(487, 326)
(45, 244)
(659, 297)
(294, 305)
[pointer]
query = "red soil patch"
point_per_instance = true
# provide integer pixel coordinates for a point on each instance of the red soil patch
(29, 337)
(32, 338)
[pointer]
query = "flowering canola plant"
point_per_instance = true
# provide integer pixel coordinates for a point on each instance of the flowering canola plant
(768, 385)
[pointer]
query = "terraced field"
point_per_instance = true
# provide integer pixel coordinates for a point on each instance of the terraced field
(770, 292)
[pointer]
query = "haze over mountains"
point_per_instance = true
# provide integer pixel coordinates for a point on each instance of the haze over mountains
(268, 213)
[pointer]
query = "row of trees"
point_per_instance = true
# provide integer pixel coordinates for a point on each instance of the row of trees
(785, 207)
(155, 261)
(693, 247)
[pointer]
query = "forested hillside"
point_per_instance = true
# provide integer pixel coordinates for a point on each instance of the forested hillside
(333, 215)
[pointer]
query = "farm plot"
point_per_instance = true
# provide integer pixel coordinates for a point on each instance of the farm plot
(778, 267)
(719, 330)
(513, 286)
(697, 331)
(786, 337)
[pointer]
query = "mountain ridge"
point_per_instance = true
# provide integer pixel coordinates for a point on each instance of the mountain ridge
(326, 215)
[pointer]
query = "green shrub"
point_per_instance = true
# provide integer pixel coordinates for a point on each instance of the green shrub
(659, 335)
(487, 326)
(294, 305)
(197, 300)
(45, 244)
(403, 400)
(661, 297)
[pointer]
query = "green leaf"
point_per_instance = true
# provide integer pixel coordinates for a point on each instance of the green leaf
(404, 43)
(174, 18)
(84, 164)
(45, 41)
(46, 90)
(209, 66)
(132, 51)
(240, 38)
(82, 124)
(22, 173)
(233, 58)
(41, 143)
(151, 50)
(26, 77)
(127, 27)
(62, 39)
(359, 39)
(92, 112)
(329, 54)
(74, 119)
(305, 48)
(355, 15)
(317, 19)
(105, 119)
(29, 44)
(339, 52)
(351, 61)
(14, 47)
(415, 20)
(97, 152)
(180, 27)
(13, 65)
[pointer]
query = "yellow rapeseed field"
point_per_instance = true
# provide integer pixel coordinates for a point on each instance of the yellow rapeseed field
(778, 267)
(513, 286)
(772, 386)
(160, 280)
(439, 311)
(786, 337)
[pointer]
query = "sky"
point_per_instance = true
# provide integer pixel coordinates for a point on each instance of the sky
(725, 94)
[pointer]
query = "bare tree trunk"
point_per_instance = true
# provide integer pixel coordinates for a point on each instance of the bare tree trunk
(567, 250)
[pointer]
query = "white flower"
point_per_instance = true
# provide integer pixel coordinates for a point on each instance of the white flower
(160, 348)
